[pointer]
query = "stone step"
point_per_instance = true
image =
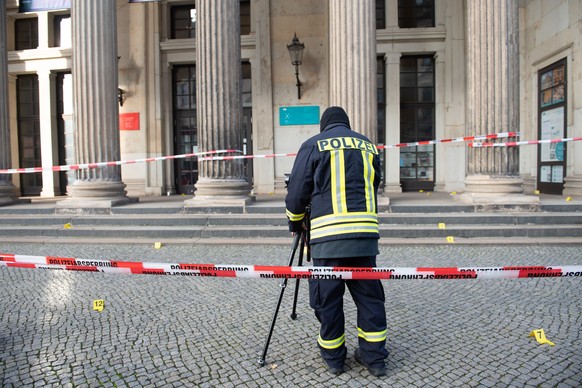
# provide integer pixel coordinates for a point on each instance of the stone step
(277, 208)
(448, 219)
(274, 231)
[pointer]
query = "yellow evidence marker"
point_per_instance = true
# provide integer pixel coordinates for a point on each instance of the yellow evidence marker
(98, 305)
(541, 337)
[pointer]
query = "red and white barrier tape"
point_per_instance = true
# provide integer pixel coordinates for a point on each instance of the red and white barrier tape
(270, 271)
(525, 142)
(454, 140)
(205, 158)
(86, 166)
(399, 145)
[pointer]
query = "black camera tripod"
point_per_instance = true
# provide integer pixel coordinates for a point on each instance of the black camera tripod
(300, 237)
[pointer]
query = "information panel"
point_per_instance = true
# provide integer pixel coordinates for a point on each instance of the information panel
(299, 115)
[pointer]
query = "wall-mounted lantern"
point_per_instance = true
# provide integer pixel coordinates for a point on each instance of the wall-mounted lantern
(121, 96)
(296, 53)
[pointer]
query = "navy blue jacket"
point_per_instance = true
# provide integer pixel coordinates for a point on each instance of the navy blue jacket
(338, 173)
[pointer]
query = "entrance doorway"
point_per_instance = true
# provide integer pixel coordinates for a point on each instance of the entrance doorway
(417, 122)
(185, 130)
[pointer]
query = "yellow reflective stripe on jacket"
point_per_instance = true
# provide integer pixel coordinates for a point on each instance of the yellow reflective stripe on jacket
(344, 218)
(332, 230)
(377, 336)
(338, 181)
(369, 175)
(294, 217)
(331, 344)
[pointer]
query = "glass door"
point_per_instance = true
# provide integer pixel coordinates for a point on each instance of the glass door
(185, 128)
(417, 121)
(29, 145)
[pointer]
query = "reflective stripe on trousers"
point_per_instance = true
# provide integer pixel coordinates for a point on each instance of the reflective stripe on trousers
(331, 344)
(377, 336)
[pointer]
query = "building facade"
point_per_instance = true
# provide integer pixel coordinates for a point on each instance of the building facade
(127, 80)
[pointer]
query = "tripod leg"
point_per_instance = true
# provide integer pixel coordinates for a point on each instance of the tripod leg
(296, 293)
(283, 285)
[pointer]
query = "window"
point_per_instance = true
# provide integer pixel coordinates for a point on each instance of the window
(415, 13)
(183, 25)
(183, 20)
(247, 118)
(62, 28)
(245, 17)
(380, 14)
(417, 118)
(381, 97)
(26, 33)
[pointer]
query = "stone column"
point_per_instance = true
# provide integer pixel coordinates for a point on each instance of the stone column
(218, 95)
(391, 169)
(493, 100)
(262, 78)
(8, 192)
(95, 105)
(352, 62)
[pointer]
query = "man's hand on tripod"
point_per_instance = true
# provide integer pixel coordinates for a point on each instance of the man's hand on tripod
(296, 227)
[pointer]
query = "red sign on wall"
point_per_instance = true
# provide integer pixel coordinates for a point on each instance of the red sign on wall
(129, 121)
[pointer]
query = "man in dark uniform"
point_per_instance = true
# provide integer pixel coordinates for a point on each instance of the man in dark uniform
(338, 173)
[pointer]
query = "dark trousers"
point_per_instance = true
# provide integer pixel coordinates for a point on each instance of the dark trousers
(326, 298)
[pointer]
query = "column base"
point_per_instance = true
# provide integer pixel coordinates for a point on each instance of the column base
(391, 188)
(222, 188)
(529, 184)
(495, 190)
(572, 186)
(383, 202)
(220, 193)
(100, 195)
(8, 194)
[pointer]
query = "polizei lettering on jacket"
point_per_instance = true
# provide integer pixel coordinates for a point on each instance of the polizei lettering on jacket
(344, 143)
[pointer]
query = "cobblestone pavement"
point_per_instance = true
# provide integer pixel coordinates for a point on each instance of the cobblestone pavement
(169, 331)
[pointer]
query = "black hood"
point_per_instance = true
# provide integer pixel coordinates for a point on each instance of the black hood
(334, 115)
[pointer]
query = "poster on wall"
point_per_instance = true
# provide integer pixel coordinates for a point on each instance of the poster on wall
(557, 174)
(546, 174)
(552, 127)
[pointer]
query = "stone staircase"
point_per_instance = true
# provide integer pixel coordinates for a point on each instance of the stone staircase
(265, 222)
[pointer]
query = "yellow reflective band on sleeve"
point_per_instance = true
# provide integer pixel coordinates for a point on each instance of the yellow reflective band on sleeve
(369, 175)
(294, 217)
(331, 344)
(377, 336)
